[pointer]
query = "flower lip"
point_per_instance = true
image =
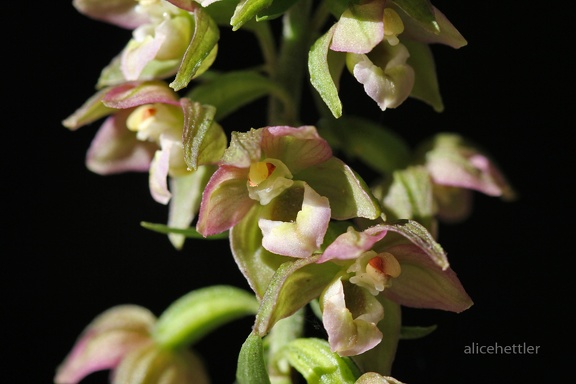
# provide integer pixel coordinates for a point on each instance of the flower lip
(374, 271)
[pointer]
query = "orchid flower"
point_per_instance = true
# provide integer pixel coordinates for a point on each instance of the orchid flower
(162, 34)
(143, 131)
(385, 47)
(120, 339)
(399, 271)
(291, 176)
(457, 168)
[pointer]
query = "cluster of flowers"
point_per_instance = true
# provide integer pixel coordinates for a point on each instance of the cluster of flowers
(304, 227)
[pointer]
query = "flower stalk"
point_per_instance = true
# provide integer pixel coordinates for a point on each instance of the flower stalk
(305, 227)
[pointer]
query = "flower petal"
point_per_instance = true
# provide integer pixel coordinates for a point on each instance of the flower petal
(298, 148)
(423, 284)
(106, 341)
(159, 172)
(360, 28)
(347, 335)
(115, 149)
(225, 201)
(151, 364)
(303, 236)
(119, 12)
(133, 94)
(451, 161)
(390, 81)
(352, 244)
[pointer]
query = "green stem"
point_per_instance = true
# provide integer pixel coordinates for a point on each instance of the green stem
(291, 65)
(283, 332)
(265, 38)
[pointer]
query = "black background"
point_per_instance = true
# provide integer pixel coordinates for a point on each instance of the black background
(72, 245)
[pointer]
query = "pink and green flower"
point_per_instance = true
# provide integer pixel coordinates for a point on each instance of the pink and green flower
(291, 177)
(371, 266)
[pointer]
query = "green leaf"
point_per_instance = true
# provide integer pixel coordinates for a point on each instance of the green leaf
(321, 77)
(199, 312)
(201, 48)
(413, 332)
(420, 10)
(376, 146)
(204, 140)
(426, 87)
(317, 364)
(251, 367)
(294, 284)
(231, 91)
(381, 357)
(246, 11)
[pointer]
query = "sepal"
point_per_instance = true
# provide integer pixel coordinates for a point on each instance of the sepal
(294, 284)
(201, 51)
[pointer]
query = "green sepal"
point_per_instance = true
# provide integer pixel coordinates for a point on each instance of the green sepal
(275, 10)
(415, 332)
(188, 232)
(199, 312)
(419, 236)
(381, 357)
(376, 146)
(294, 284)
(251, 368)
(347, 192)
(408, 195)
(201, 47)
(246, 10)
(325, 67)
(255, 262)
(426, 87)
(317, 364)
(231, 91)
(92, 110)
(421, 11)
(185, 201)
(204, 140)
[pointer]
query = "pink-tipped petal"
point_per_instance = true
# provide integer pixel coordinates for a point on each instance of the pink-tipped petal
(118, 12)
(298, 148)
(133, 94)
(352, 244)
(106, 341)
(225, 201)
(115, 149)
